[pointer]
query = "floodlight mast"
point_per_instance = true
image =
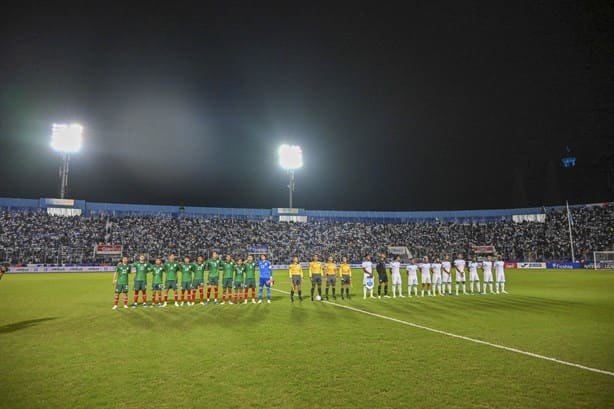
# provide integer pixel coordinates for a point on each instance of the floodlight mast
(65, 139)
(290, 158)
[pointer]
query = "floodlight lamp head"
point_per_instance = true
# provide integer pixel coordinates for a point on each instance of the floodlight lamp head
(66, 138)
(290, 157)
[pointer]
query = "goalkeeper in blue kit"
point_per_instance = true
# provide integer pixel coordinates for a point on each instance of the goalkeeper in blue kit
(266, 278)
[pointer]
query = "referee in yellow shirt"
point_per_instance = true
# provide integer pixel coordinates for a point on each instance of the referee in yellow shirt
(330, 270)
(296, 279)
(315, 273)
(345, 271)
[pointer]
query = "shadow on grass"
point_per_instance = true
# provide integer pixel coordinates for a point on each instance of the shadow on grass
(17, 326)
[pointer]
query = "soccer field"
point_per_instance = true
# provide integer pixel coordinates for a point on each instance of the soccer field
(61, 345)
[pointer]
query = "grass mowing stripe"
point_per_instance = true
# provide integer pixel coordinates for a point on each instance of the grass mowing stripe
(477, 341)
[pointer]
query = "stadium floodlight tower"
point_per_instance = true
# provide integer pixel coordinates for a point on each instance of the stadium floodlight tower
(290, 159)
(66, 139)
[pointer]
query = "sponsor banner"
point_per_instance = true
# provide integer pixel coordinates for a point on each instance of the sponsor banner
(59, 202)
(111, 249)
(61, 269)
(530, 265)
(564, 265)
(509, 264)
(258, 249)
(483, 249)
(400, 250)
(287, 210)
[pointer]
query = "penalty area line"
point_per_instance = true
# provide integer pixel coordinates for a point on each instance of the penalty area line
(474, 340)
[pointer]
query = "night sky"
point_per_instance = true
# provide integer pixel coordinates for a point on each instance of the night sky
(457, 105)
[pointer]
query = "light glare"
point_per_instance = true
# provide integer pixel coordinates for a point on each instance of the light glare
(290, 157)
(66, 138)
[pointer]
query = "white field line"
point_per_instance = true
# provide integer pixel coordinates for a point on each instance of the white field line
(477, 341)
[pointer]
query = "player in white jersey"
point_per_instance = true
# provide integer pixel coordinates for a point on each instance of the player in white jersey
(459, 265)
(367, 280)
(487, 269)
(500, 275)
(395, 274)
(446, 276)
(412, 277)
(473, 274)
(436, 269)
(425, 275)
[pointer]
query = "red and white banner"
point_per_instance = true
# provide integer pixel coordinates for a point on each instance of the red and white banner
(509, 264)
(110, 249)
(483, 249)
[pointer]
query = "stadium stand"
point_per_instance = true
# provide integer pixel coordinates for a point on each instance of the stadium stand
(29, 234)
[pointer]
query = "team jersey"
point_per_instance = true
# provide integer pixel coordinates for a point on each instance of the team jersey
(199, 270)
(141, 270)
(425, 268)
(395, 267)
(213, 265)
(265, 269)
(170, 268)
(330, 269)
(499, 266)
(228, 268)
(447, 266)
(412, 270)
(186, 272)
(473, 266)
(315, 267)
(460, 265)
(156, 273)
(250, 270)
(487, 266)
(436, 268)
(345, 269)
(123, 270)
(368, 267)
(239, 272)
(295, 270)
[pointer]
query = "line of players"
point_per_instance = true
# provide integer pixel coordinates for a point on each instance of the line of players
(237, 278)
(435, 277)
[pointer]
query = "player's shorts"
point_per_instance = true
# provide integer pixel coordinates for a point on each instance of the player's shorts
(214, 281)
(331, 280)
(382, 278)
(156, 287)
(198, 282)
(227, 283)
(412, 281)
(473, 276)
(426, 278)
(171, 284)
(460, 277)
(345, 279)
(297, 280)
(368, 282)
(250, 283)
(186, 285)
(238, 285)
(263, 282)
(500, 277)
(140, 286)
(316, 279)
(121, 288)
(488, 277)
(446, 278)
(437, 279)
(396, 279)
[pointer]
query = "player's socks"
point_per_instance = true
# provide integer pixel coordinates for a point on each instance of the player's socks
(464, 289)
(320, 291)
(136, 297)
(503, 287)
(394, 291)
(176, 296)
(312, 291)
(116, 299)
(144, 297)
(292, 295)
(364, 292)
(347, 293)
(490, 286)
(422, 293)
(208, 292)
(215, 290)
(182, 295)
(478, 284)
(253, 293)
(126, 300)
(327, 293)
(386, 290)
(300, 295)
(268, 293)
(471, 286)
(334, 291)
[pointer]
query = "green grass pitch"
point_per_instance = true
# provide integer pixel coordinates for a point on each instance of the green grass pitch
(62, 346)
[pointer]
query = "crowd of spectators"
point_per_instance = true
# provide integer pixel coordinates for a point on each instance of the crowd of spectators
(36, 237)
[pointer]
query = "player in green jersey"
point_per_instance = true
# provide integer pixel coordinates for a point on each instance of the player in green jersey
(120, 281)
(213, 266)
(140, 280)
(199, 268)
(157, 271)
(250, 279)
(239, 281)
(170, 270)
(228, 268)
(186, 280)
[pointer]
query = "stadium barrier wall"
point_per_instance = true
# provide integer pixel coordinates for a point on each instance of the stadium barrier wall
(565, 265)
(62, 269)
